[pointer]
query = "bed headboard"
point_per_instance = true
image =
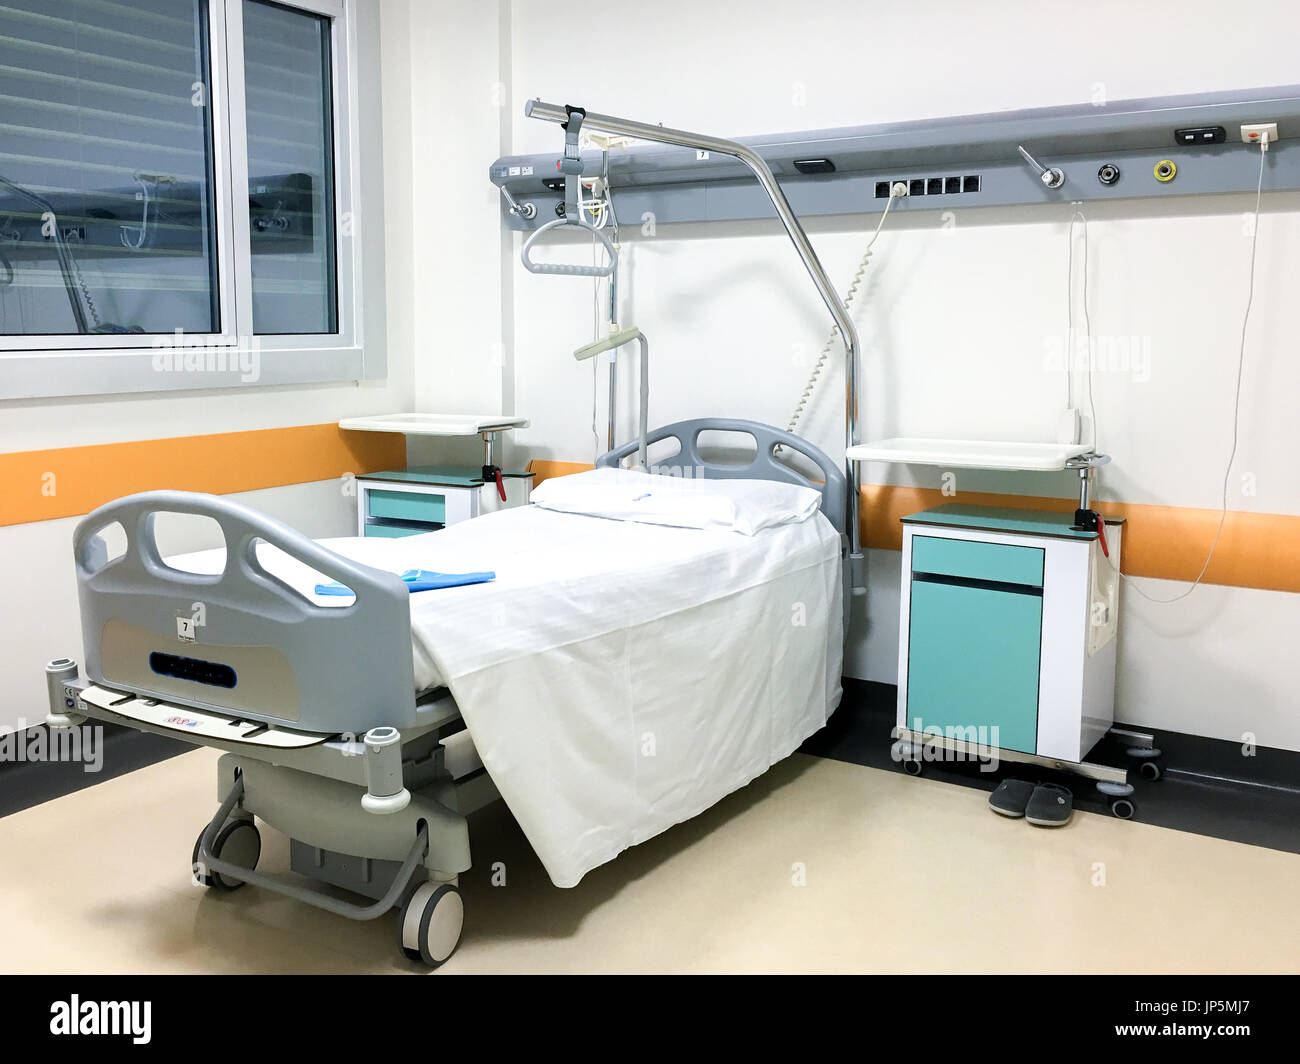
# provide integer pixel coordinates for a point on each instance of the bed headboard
(764, 466)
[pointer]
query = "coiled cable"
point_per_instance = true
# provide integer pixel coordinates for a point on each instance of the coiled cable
(806, 395)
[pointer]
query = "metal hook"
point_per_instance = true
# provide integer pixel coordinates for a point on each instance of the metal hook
(134, 237)
(523, 210)
(1051, 176)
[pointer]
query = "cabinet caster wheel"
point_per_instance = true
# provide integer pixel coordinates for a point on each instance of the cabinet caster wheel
(1150, 770)
(912, 767)
(432, 920)
(238, 842)
(1123, 808)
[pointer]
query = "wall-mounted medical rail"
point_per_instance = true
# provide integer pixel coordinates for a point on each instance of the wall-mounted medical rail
(1104, 151)
(756, 164)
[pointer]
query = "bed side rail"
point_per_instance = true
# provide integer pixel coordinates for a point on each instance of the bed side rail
(765, 465)
(242, 642)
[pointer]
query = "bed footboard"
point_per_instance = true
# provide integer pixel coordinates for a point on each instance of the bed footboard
(242, 642)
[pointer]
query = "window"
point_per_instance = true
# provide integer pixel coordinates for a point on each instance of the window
(106, 220)
(290, 169)
(174, 176)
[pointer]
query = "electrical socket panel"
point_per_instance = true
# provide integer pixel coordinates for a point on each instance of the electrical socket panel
(1252, 132)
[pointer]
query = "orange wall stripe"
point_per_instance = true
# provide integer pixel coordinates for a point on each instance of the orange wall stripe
(543, 469)
(69, 481)
(1165, 542)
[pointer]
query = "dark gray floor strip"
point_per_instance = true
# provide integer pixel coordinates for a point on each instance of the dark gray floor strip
(1211, 787)
(24, 784)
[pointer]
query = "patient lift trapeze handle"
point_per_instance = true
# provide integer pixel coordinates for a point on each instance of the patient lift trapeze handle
(571, 167)
(566, 268)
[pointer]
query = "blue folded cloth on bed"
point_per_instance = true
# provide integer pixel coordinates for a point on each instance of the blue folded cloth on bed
(417, 580)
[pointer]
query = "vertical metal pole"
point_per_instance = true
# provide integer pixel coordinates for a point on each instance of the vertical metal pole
(611, 434)
(613, 398)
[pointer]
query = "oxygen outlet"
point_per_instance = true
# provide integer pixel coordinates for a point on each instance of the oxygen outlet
(1165, 171)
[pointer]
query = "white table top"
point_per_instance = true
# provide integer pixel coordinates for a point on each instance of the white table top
(970, 454)
(434, 424)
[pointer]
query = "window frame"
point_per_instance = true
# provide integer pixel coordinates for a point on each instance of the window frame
(78, 364)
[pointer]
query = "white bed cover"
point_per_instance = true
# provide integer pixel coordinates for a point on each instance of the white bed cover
(618, 678)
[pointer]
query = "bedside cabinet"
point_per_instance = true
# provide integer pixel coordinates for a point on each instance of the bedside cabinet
(1007, 630)
(408, 502)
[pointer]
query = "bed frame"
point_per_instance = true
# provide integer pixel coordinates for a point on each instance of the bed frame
(314, 705)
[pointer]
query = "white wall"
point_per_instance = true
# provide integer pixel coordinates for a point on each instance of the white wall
(460, 117)
(957, 324)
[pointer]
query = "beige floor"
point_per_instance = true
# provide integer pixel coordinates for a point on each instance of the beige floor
(901, 875)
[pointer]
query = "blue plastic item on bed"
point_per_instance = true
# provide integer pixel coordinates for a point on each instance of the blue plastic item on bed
(418, 580)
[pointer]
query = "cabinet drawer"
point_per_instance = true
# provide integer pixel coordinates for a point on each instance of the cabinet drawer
(398, 531)
(972, 560)
(408, 506)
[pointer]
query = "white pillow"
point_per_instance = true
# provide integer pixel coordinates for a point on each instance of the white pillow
(744, 506)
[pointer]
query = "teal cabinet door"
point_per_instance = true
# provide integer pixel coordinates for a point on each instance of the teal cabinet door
(972, 663)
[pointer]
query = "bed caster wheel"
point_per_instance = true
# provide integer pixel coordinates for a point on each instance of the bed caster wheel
(1148, 759)
(238, 842)
(432, 920)
(912, 767)
(1123, 808)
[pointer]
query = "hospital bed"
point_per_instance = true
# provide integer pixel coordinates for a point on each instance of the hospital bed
(368, 728)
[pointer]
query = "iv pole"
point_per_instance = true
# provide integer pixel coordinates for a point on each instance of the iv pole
(549, 112)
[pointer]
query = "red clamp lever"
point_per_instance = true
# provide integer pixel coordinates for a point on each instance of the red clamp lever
(493, 473)
(1101, 535)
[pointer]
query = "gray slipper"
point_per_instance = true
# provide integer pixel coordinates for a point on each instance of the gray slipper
(1050, 806)
(1011, 797)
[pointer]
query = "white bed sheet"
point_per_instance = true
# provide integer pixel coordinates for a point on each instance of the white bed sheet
(618, 678)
